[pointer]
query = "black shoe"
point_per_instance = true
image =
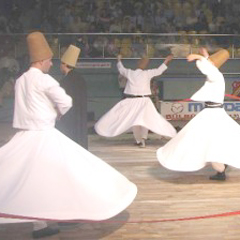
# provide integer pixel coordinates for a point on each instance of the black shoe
(220, 176)
(45, 232)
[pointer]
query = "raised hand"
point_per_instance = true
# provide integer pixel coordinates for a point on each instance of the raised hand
(168, 59)
(192, 57)
(119, 57)
(204, 52)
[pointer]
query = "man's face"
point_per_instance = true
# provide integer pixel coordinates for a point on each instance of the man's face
(63, 68)
(46, 65)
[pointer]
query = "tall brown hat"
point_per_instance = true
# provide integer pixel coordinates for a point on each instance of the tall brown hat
(143, 62)
(38, 47)
(219, 57)
(70, 56)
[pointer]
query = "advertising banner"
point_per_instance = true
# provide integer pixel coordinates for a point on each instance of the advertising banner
(187, 110)
(95, 65)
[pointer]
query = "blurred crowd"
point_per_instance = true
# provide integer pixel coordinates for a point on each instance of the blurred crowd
(100, 27)
(155, 16)
(105, 28)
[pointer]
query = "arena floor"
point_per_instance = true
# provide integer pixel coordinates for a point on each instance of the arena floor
(169, 205)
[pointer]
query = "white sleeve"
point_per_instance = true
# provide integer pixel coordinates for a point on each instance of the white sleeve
(157, 71)
(58, 96)
(208, 69)
(122, 70)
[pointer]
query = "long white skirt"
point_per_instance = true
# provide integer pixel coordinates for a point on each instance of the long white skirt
(46, 175)
(211, 136)
(133, 112)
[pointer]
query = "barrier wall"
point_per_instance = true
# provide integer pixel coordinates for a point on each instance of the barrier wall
(185, 111)
(180, 81)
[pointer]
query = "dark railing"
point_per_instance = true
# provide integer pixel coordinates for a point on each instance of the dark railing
(129, 45)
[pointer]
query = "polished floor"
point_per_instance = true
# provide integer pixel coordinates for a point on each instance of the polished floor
(169, 205)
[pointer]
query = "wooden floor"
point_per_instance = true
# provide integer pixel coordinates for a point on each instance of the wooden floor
(169, 205)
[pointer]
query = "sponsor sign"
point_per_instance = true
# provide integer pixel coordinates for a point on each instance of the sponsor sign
(188, 110)
(93, 65)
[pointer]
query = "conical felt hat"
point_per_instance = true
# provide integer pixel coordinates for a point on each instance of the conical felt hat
(70, 56)
(219, 57)
(38, 47)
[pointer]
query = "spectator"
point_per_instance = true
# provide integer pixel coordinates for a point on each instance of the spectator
(4, 28)
(115, 26)
(126, 25)
(99, 45)
(9, 69)
(148, 25)
(104, 19)
(82, 43)
(46, 25)
(113, 47)
(138, 46)
(77, 25)
(126, 47)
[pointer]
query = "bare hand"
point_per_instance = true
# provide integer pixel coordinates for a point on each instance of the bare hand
(204, 52)
(119, 57)
(193, 57)
(168, 59)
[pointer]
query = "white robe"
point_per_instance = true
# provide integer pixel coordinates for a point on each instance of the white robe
(138, 111)
(210, 136)
(47, 176)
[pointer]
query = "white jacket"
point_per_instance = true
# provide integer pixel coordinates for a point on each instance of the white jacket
(138, 81)
(213, 89)
(37, 96)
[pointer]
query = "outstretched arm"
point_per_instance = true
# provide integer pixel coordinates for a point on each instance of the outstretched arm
(168, 59)
(192, 57)
(122, 70)
(205, 65)
(162, 68)
(119, 57)
(204, 52)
